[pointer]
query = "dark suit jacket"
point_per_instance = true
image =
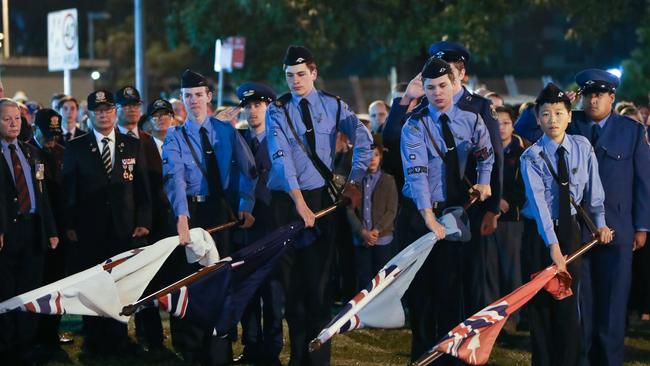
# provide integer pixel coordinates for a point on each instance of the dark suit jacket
(53, 159)
(96, 204)
(162, 225)
(10, 197)
(77, 133)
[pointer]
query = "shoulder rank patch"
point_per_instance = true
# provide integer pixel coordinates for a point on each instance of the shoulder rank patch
(278, 154)
(413, 145)
(493, 111)
(417, 170)
(483, 154)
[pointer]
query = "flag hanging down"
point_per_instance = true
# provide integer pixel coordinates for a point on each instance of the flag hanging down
(216, 296)
(105, 288)
(473, 339)
(379, 305)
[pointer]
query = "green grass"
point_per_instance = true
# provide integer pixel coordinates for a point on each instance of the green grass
(360, 348)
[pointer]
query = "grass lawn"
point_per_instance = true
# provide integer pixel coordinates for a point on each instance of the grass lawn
(360, 347)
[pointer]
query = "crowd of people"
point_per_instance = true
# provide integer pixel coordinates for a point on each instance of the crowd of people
(82, 181)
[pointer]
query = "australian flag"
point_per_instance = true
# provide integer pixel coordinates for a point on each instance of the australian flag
(216, 300)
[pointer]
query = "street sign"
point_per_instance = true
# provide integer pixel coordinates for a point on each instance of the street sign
(229, 55)
(62, 40)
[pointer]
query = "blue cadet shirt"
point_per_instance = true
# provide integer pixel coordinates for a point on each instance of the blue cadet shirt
(27, 169)
(368, 185)
(424, 169)
(182, 177)
(291, 167)
(543, 192)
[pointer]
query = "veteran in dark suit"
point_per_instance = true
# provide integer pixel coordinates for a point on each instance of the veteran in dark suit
(28, 228)
(108, 204)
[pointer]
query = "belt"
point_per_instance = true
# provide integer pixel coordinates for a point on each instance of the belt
(556, 222)
(198, 198)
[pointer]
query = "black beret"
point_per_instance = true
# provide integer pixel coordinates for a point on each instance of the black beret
(191, 79)
(297, 55)
(157, 105)
(251, 91)
(435, 68)
(551, 94)
(127, 95)
(100, 97)
(49, 122)
(596, 80)
(449, 51)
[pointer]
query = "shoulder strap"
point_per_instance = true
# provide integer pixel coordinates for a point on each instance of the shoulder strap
(323, 170)
(419, 117)
(194, 154)
(581, 211)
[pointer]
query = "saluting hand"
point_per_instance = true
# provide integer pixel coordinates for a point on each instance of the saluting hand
(228, 114)
(414, 90)
(183, 229)
(249, 220)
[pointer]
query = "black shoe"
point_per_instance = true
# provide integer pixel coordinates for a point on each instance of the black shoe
(64, 339)
(243, 359)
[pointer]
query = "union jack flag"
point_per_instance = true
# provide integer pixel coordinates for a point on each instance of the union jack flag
(473, 339)
(48, 304)
(175, 303)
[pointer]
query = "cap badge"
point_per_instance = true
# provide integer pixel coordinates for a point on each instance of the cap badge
(128, 91)
(54, 122)
(100, 97)
(159, 103)
(248, 93)
(589, 82)
(439, 54)
(300, 59)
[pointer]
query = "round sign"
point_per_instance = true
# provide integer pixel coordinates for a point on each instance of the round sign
(69, 32)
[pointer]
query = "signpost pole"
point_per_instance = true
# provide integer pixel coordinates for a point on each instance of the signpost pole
(67, 87)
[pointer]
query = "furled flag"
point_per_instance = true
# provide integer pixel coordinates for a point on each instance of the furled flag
(216, 296)
(105, 288)
(473, 339)
(379, 305)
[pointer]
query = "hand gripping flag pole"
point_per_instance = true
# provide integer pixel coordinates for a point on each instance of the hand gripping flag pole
(464, 341)
(132, 308)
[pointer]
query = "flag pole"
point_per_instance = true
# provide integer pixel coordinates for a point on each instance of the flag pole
(429, 357)
(132, 308)
(224, 226)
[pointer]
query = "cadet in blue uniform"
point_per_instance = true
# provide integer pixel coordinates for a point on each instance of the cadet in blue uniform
(480, 254)
(623, 154)
(196, 162)
(436, 144)
(301, 133)
(556, 169)
(262, 319)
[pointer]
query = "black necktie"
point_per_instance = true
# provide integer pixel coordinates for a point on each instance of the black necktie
(564, 227)
(306, 119)
(595, 134)
(211, 166)
(68, 136)
(452, 166)
(311, 140)
(255, 144)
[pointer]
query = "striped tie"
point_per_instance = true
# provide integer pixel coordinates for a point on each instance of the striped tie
(132, 134)
(24, 202)
(106, 156)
